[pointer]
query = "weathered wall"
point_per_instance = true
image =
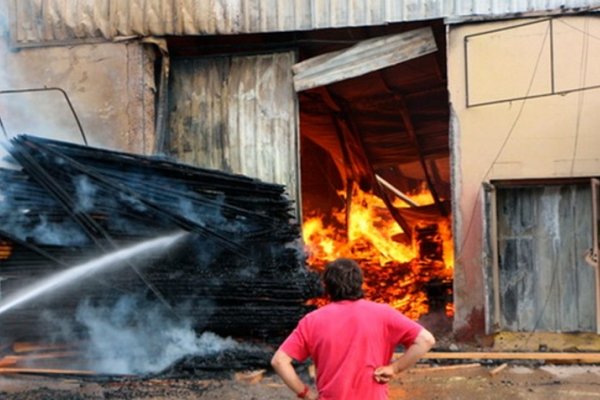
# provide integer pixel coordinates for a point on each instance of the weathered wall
(552, 135)
(109, 84)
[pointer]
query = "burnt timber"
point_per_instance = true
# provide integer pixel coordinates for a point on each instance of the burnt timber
(239, 272)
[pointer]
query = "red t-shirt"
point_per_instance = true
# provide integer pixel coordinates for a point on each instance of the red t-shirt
(347, 340)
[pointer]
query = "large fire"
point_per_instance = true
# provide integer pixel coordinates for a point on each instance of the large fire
(397, 272)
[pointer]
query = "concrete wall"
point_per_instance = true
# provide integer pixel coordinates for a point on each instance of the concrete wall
(111, 86)
(555, 132)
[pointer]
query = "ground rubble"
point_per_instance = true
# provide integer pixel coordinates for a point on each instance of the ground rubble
(244, 373)
(481, 380)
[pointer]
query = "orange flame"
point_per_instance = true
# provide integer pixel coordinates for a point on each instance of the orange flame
(394, 272)
(5, 250)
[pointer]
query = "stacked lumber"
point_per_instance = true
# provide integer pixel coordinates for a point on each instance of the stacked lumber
(240, 271)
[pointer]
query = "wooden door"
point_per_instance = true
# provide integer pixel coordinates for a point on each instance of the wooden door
(543, 234)
(237, 114)
(594, 257)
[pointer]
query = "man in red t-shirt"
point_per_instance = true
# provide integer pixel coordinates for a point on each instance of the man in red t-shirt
(351, 342)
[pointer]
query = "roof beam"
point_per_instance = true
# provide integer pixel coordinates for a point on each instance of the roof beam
(352, 139)
(410, 130)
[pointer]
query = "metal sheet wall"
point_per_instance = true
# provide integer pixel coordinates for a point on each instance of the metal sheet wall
(35, 22)
(237, 114)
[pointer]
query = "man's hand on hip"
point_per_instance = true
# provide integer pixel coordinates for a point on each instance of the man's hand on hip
(384, 374)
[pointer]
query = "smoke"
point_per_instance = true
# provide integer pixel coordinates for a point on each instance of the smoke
(64, 233)
(132, 202)
(32, 222)
(134, 336)
(17, 218)
(85, 193)
(39, 113)
(203, 215)
(6, 160)
(212, 215)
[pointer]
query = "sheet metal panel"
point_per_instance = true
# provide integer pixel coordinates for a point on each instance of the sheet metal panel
(237, 114)
(38, 22)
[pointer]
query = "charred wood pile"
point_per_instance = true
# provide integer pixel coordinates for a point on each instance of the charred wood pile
(239, 271)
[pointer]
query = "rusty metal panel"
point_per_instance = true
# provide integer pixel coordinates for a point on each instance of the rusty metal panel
(38, 22)
(545, 283)
(237, 114)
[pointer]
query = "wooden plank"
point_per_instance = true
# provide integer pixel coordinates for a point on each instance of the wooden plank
(495, 262)
(498, 369)
(580, 357)
(251, 377)
(397, 192)
(15, 359)
(7, 361)
(45, 371)
(552, 341)
(364, 57)
(447, 368)
(545, 264)
(27, 347)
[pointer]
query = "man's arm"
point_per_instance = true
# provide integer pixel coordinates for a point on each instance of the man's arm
(422, 344)
(282, 364)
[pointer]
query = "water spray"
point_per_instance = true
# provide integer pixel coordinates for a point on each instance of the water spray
(72, 274)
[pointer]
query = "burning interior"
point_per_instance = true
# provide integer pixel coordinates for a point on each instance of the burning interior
(375, 174)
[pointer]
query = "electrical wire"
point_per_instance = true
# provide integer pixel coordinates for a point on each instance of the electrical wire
(583, 62)
(477, 205)
(584, 31)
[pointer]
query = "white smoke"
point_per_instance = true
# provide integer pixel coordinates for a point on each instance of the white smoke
(19, 220)
(6, 160)
(65, 233)
(134, 337)
(85, 192)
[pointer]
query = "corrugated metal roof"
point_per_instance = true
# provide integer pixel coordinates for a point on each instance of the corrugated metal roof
(35, 22)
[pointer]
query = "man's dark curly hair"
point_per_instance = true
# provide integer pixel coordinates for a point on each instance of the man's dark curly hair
(343, 280)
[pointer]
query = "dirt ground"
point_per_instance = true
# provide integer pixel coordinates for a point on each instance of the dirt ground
(467, 381)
